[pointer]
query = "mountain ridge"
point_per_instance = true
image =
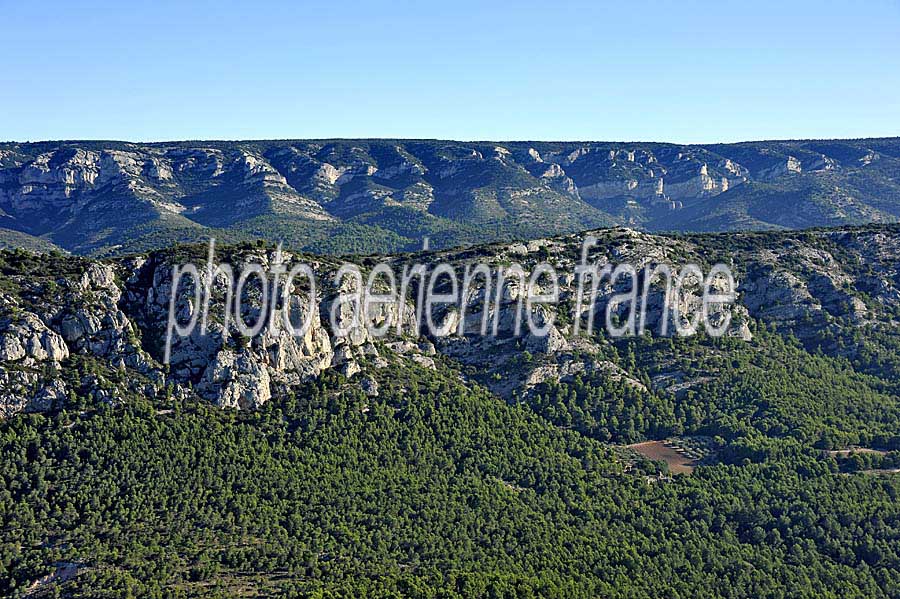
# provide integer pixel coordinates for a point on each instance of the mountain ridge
(809, 283)
(385, 195)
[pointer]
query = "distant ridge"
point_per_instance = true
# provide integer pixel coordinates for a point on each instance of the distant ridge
(384, 195)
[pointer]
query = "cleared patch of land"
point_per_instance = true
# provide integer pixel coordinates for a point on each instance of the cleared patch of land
(852, 450)
(663, 451)
(64, 571)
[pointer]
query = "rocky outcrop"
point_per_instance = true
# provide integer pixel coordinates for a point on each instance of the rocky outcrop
(105, 323)
(27, 340)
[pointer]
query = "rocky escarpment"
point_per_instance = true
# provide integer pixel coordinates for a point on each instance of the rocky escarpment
(73, 328)
(382, 196)
(45, 322)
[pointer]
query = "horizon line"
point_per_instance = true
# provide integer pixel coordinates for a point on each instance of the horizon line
(440, 139)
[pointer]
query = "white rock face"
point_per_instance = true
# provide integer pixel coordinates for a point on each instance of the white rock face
(869, 158)
(329, 173)
(734, 168)
(110, 312)
(157, 169)
(822, 163)
(553, 171)
(29, 340)
(236, 380)
(791, 165)
(26, 346)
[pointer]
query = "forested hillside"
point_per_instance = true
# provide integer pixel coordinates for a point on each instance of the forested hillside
(431, 489)
(458, 466)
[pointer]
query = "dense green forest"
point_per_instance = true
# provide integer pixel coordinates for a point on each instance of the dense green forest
(768, 388)
(435, 488)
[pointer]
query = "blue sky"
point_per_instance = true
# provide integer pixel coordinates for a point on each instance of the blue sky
(669, 71)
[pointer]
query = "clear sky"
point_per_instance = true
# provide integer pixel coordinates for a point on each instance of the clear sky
(667, 71)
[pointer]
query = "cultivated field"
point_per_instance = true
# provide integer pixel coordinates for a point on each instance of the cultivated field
(661, 450)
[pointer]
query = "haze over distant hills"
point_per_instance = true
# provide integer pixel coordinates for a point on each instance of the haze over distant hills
(363, 196)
